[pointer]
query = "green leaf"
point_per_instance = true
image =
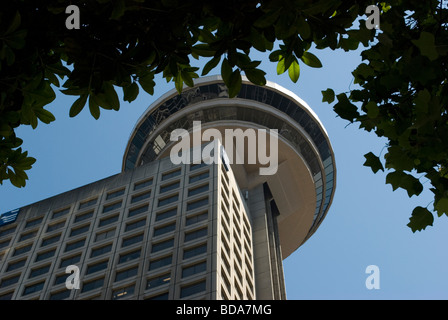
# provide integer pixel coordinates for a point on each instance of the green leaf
(294, 71)
(203, 50)
(281, 66)
(420, 219)
(256, 76)
(78, 105)
(426, 44)
(373, 162)
(226, 70)
(210, 65)
(94, 107)
(234, 84)
(372, 110)
(442, 206)
(111, 96)
(44, 115)
(118, 9)
(130, 92)
(345, 109)
(399, 179)
(311, 60)
(16, 40)
(268, 18)
(328, 96)
(15, 23)
(147, 83)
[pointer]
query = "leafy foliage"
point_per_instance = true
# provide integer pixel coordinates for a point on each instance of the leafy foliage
(123, 44)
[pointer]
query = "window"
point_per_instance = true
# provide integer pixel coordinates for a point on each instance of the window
(171, 174)
(70, 260)
(34, 222)
(4, 243)
(7, 231)
(194, 269)
(165, 201)
(91, 285)
(129, 256)
(84, 216)
(158, 281)
(135, 225)
(140, 197)
(16, 265)
(115, 194)
(162, 245)
(192, 289)
(136, 211)
(109, 220)
(143, 184)
(196, 218)
(126, 274)
(112, 206)
(45, 255)
(33, 288)
(159, 263)
(195, 234)
(195, 251)
(87, 203)
(162, 296)
(97, 267)
(61, 295)
(198, 190)
(132, 240)
(60, 213)
(166, 214)
(198, 177)
(169, 187)
(197, 204)
(123, 292)
(197, 166)
(99, 251)
(79, 230)
(50, 240)
(105, 235)
(61, 279)
(21, 250)
(9, 281)
(28, 235)
(39, 271)
(55, 226)
(164, 229)
(74, 245)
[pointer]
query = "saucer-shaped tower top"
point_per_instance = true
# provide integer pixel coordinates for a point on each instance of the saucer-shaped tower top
(304, 184)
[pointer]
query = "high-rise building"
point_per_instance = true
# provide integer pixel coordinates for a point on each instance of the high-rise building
(214, 226)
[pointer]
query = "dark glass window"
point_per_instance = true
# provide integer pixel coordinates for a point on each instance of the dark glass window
(61, 295)
(97, 267)
(158, 281)
(33, 288)
(61, 279)
(16, 265)
(197, 190)
(28, 235)
(98, 283)
(197, 204)
(196, 218)
(162, 296)
(123, 292)
(34, 222)
(74, 245)
(55, 226)
(99, 251)
(135, 225)
(194, 269)
(171, 174)
(51, 240)
(159, 263)
(70, 260)
(143, 184)
(192, 289)
(195, 251)
(197, 166)
(39, 271)
(195, 234)
(60, 213)
(140, 197)
(106, 221)
(105, 235)
(112, 206)
(165, 201)
(22, 250)
(169, 187)
(79, 230)
(87, 203)
(162, 245)
(166, 214)
(115, 194)
(198, 177)
(45, 255)
(136, 211)
(126, 274)
(9, 281)
(132, 240)
(84, 216)
(129, 256)
(164, 229)
(7, 231)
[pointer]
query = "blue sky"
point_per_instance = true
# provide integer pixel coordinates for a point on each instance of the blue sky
(366, 224)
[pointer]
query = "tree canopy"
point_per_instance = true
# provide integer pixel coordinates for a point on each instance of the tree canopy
(123, 44)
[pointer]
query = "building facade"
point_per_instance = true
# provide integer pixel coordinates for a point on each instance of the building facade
(160, 230)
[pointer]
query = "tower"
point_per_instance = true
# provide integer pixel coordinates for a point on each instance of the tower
(198, 229)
